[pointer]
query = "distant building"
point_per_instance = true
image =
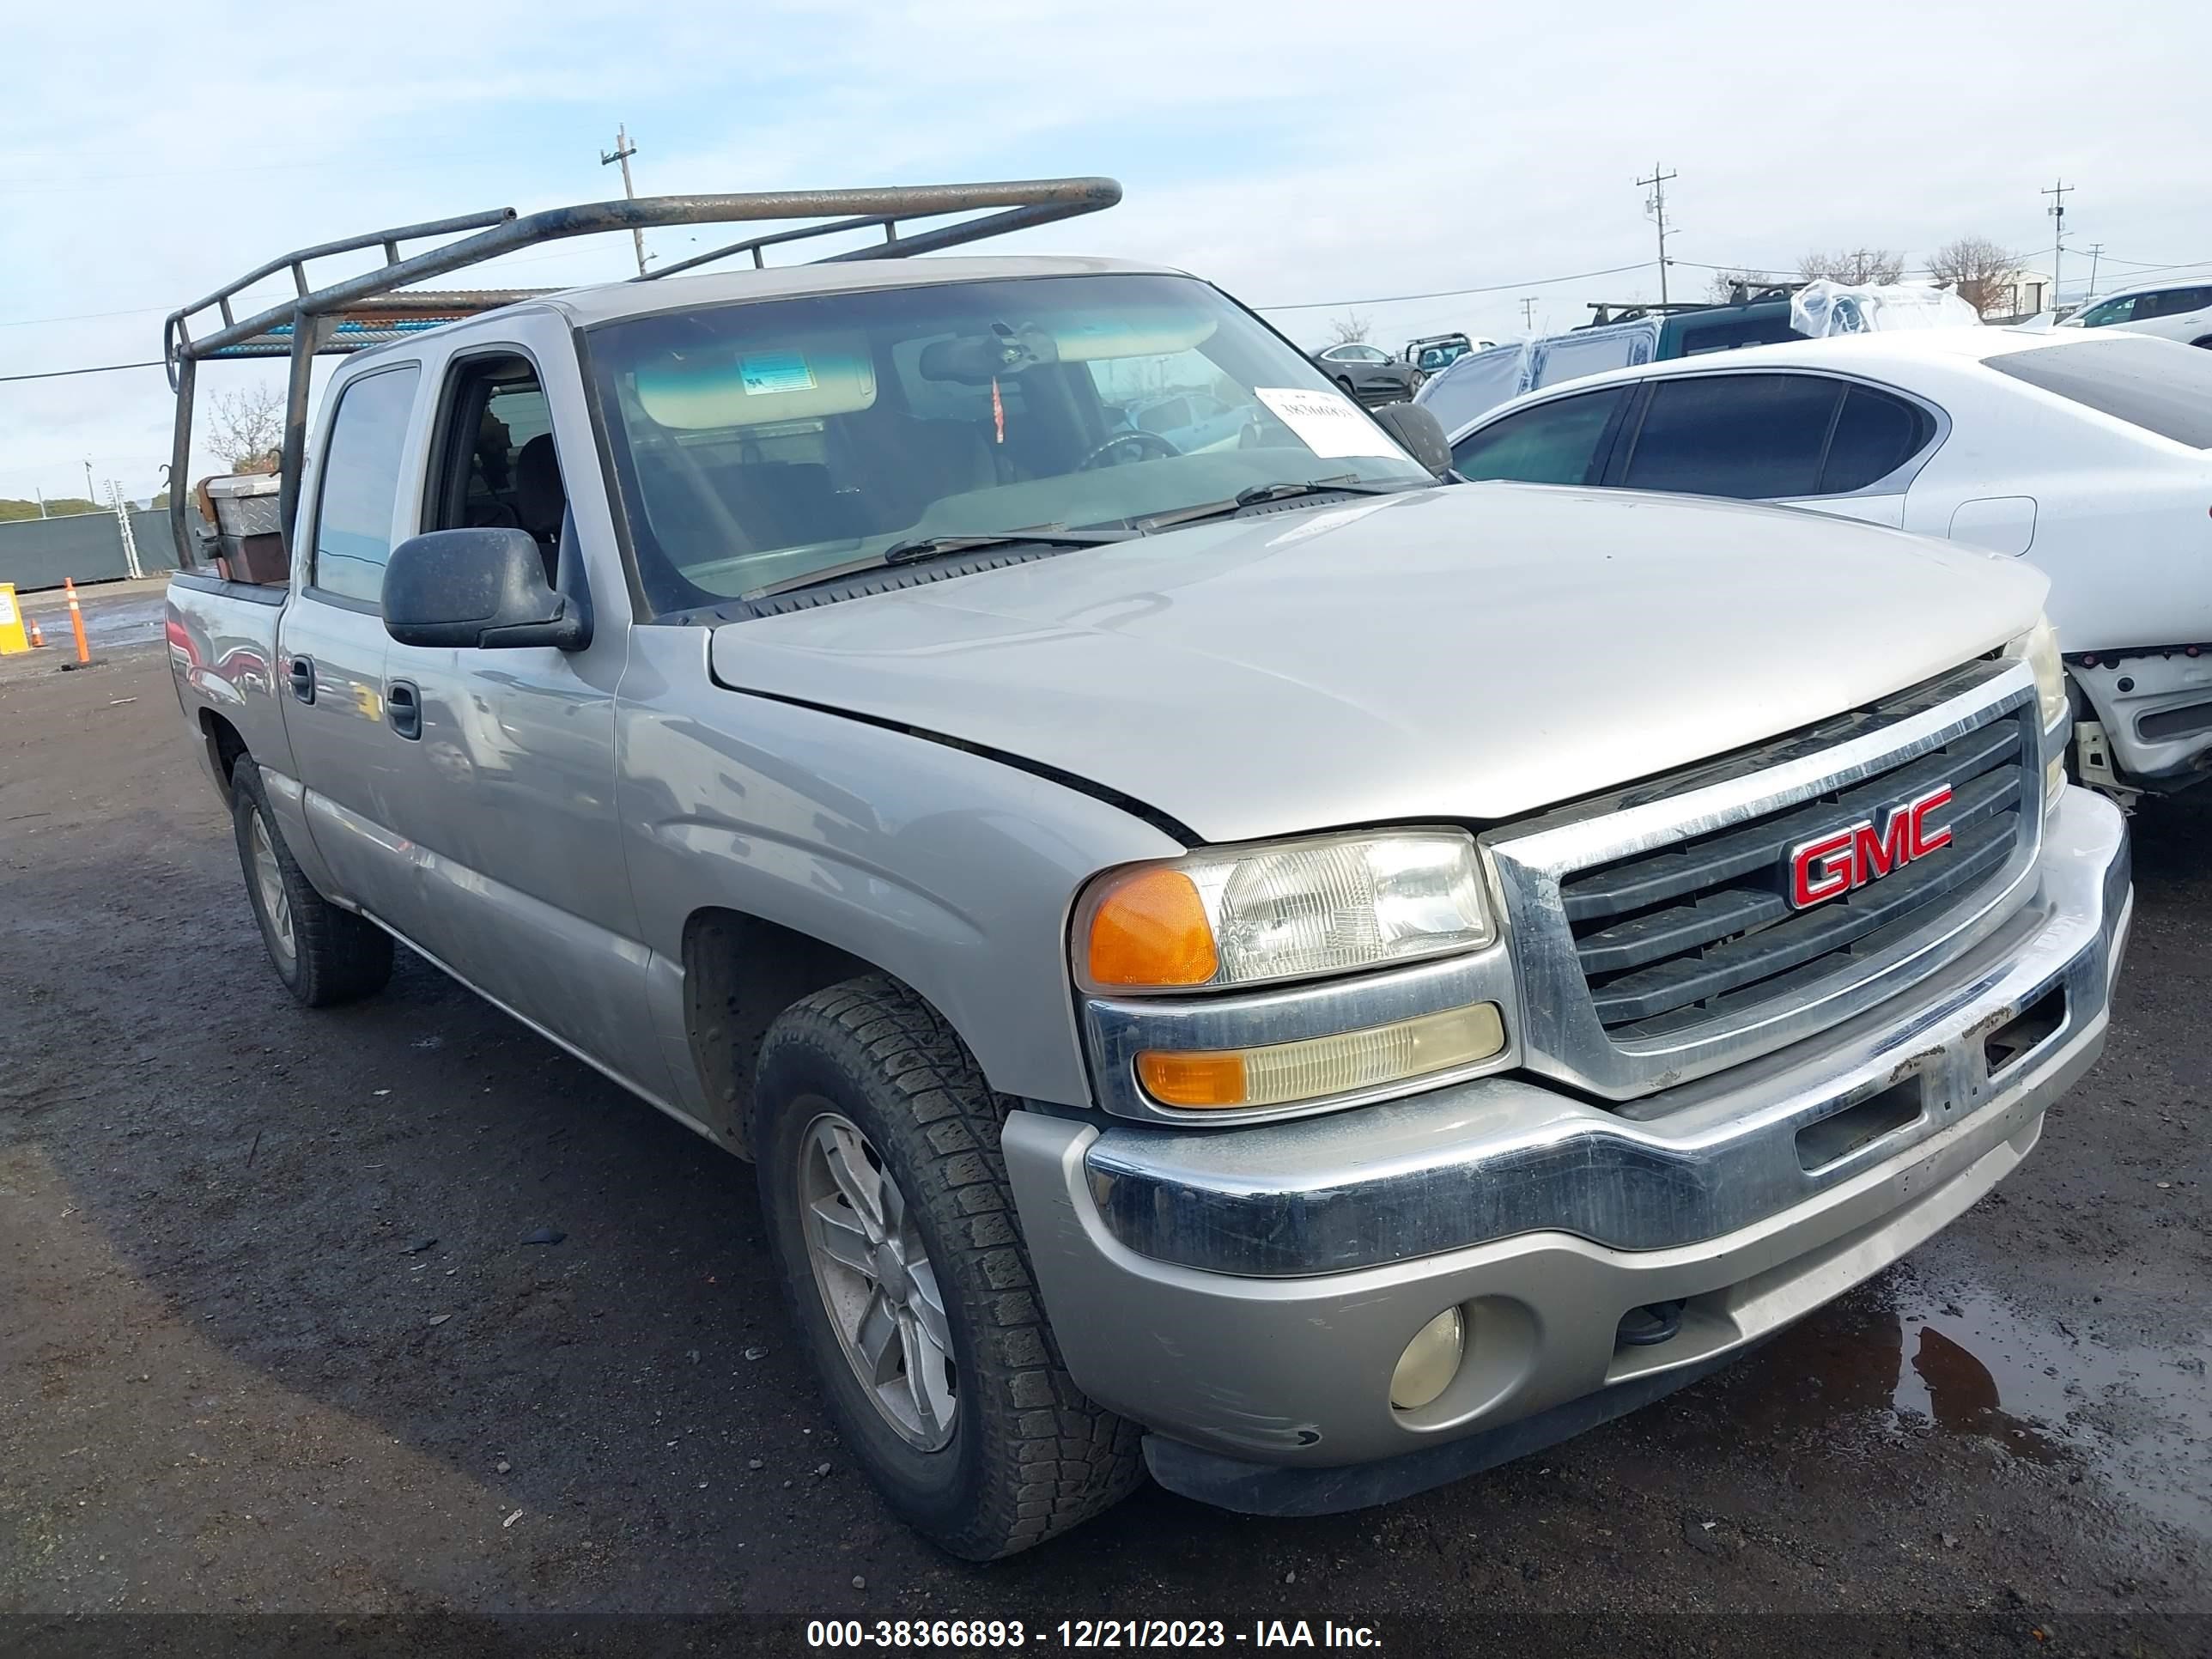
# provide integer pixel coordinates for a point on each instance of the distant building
(2030, 293)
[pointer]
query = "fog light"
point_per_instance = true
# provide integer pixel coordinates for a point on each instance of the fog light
(1430, 1361)
(1313, 1068)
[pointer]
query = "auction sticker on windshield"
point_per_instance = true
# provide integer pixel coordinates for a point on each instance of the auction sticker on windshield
(774, 371)
(1328, 422)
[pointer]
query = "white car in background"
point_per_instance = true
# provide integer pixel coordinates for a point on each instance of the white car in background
(2172, 310)
(2088, 452)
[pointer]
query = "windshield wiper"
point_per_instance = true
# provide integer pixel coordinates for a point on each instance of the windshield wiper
(919, 548)
(1348, 484)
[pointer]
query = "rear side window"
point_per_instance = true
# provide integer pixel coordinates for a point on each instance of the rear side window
(1751, 436)
(1875, 435)
(360, 485)
(1559, 442)
(2172, 303)
(2160, 386)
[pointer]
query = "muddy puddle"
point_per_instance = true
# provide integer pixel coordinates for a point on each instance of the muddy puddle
(1924, 1354)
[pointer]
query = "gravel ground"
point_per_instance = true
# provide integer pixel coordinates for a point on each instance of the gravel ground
(273, 1337)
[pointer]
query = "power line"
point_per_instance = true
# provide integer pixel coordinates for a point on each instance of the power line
(1454, 293)
(60, 374)
(82, 316)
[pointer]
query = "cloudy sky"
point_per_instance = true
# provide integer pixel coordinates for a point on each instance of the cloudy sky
(1323, 156)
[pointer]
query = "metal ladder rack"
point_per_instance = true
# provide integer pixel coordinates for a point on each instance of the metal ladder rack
(375, 307)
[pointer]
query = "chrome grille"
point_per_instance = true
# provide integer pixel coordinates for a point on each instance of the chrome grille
(1677, 936)
(1653, 933)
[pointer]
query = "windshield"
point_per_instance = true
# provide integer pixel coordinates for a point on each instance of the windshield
(758, 443)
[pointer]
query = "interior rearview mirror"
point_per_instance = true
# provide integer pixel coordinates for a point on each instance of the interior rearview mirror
(483, 588)
(1419, 433)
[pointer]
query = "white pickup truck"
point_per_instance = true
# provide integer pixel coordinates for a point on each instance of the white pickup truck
(1250, 959)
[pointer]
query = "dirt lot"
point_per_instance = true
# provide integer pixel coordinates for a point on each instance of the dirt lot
(273, 1337)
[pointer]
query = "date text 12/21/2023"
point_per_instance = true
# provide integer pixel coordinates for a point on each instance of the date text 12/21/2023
(1086, 1633)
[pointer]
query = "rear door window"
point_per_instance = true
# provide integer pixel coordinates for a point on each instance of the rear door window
(2158, 385)
(1875, 435)
(1560, 442)
(360, 485)
(1751, 436)
(2174, 303)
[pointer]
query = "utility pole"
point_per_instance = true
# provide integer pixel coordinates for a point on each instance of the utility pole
(2057, 194)
(1657, 206)
(624, 151)
(1529, 313)
(41, 490)
(2095, 249)
(88, 496)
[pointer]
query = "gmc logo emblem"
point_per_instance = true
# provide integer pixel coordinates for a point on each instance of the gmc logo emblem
(1842, 859)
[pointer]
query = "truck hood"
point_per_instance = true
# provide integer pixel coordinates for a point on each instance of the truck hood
(1474, 653)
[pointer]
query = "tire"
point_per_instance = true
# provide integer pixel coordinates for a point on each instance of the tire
(323, 955)
(1015, 1454)
(1344, 384)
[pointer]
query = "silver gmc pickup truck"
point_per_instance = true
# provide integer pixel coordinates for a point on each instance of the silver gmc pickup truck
(1232, 954)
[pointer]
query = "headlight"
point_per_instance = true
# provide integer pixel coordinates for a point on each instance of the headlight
(2038, 649)
(1242, 916)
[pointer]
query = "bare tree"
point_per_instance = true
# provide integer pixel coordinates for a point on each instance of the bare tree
(1857, 266)
(246, 429)
(1984, 273)
(1350, 329)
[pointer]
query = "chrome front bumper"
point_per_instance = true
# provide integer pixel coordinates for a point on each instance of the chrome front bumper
(1247, 1293)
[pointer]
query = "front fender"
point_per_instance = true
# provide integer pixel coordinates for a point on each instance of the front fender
(950, 870)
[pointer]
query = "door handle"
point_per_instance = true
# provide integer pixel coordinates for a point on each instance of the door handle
(302, 671)
(402, 708)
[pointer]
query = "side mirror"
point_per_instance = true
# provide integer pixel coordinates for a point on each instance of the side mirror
(482, 587)
(1419, 433)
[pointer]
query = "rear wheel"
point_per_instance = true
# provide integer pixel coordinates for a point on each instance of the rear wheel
(890, 1215)
(323, 954)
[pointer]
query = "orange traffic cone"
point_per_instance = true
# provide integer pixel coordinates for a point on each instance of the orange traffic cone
(37, 638)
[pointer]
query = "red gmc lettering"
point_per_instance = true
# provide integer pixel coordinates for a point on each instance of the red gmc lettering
(1852, 857)
(1831, 857)
(1925, 841)
(1879, 852)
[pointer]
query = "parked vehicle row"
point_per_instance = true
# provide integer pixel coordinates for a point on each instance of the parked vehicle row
(1252, 962)
(2088, 455)
(1618, 336)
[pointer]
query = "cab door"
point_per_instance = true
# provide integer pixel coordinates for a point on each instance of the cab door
(332, 642)
(507, 792)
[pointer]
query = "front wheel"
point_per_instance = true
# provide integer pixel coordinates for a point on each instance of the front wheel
(323, 954)
(893, 1227)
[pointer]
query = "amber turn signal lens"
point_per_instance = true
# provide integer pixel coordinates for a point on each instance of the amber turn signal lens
(1150, 928)
(1192, 1080)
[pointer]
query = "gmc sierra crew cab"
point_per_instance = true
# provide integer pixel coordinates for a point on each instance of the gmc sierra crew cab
(1256, 961)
